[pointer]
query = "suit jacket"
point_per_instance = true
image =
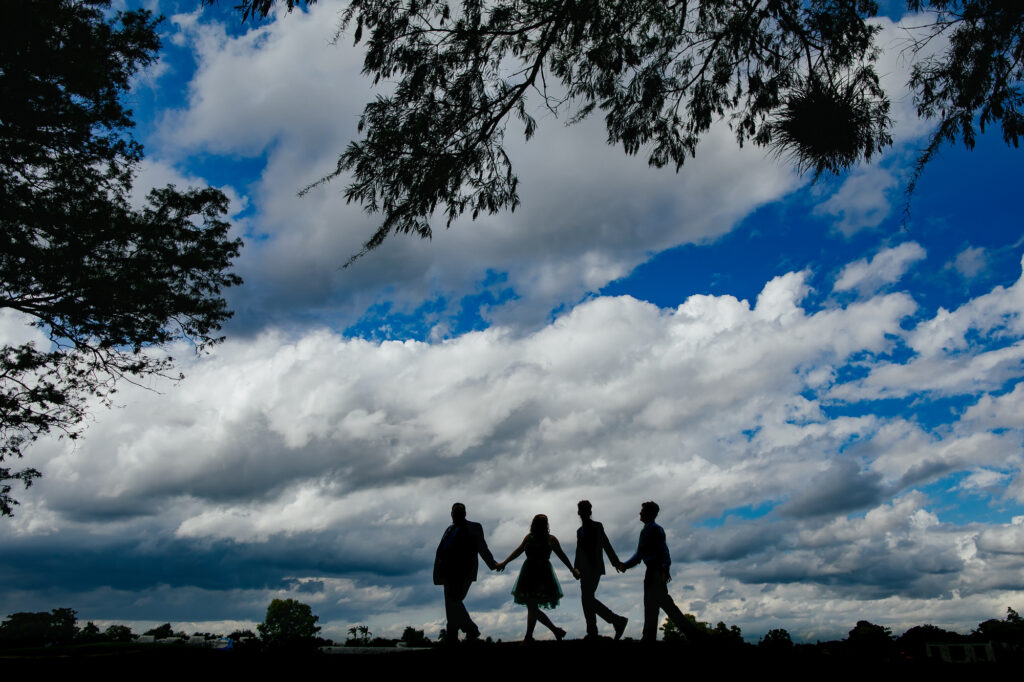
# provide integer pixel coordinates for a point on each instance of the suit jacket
(653, 551)
(591, 544)
(456, 557)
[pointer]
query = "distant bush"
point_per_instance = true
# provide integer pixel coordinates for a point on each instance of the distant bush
(118, 633)
(776, 641)
(413, 637)
(90, 633)
(162, 632)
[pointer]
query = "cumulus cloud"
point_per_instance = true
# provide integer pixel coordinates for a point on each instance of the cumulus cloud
(886, 267)
(976, 347)
(997, 411)
(971, 262)
(297, 459)
(862, 201)
(1004, 539)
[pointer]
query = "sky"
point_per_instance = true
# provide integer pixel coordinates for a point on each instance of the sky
(820, 383)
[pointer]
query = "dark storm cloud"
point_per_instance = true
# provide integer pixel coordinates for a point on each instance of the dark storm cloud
(870, 569)
(733, 540)
(130, 566)
(843, 487)
(156, 558)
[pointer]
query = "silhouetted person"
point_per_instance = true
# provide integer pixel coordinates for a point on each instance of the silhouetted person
(591, 546)
(455, 567)
(653, 551)
(537, 587)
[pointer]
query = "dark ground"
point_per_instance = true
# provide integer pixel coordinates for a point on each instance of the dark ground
(605, 660)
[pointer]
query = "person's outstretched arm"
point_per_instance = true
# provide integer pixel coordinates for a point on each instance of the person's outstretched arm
(477, 532)
(638, 556)
(500, 566)
(557, 549)
(607, 546)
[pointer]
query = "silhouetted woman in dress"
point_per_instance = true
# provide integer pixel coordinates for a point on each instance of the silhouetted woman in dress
(537, 587)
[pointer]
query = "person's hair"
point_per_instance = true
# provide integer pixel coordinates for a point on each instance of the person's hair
(539, 526)
(651, 508)
(584, 508)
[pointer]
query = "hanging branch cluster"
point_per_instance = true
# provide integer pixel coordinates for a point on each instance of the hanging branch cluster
(795, 76)
(103, 281)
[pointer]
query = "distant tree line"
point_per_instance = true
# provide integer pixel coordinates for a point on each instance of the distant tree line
(290, 625)
(865, 641)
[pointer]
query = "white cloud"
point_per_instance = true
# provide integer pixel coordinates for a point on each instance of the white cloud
(989, 326)
(984, 479)
(862, 201)
(886, 267)
(16, 328)
(971, 262)
(894, 68)
(1004, 539)
(158, 174)
(997, 412)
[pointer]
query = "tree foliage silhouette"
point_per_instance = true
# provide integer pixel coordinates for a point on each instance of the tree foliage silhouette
(288, 624)
(118, 633)
(161, 632)
(102, 279)
(795, 76)
(413, 637)
(978, 81)
(59, 626)
(777, 639)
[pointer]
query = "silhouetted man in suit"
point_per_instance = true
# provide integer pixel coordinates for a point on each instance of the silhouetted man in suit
(591, 546)
(653, 551)
(455, 567)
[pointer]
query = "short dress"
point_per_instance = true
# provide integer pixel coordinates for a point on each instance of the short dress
(537, 582)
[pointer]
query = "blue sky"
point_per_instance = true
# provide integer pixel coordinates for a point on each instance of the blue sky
(821, 389)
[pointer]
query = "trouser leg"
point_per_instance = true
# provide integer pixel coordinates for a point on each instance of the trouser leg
(588, 590)
(455, 609)
(652, 608)
(657, 599)
(592, 607)
(675, 615)
(606, 613)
